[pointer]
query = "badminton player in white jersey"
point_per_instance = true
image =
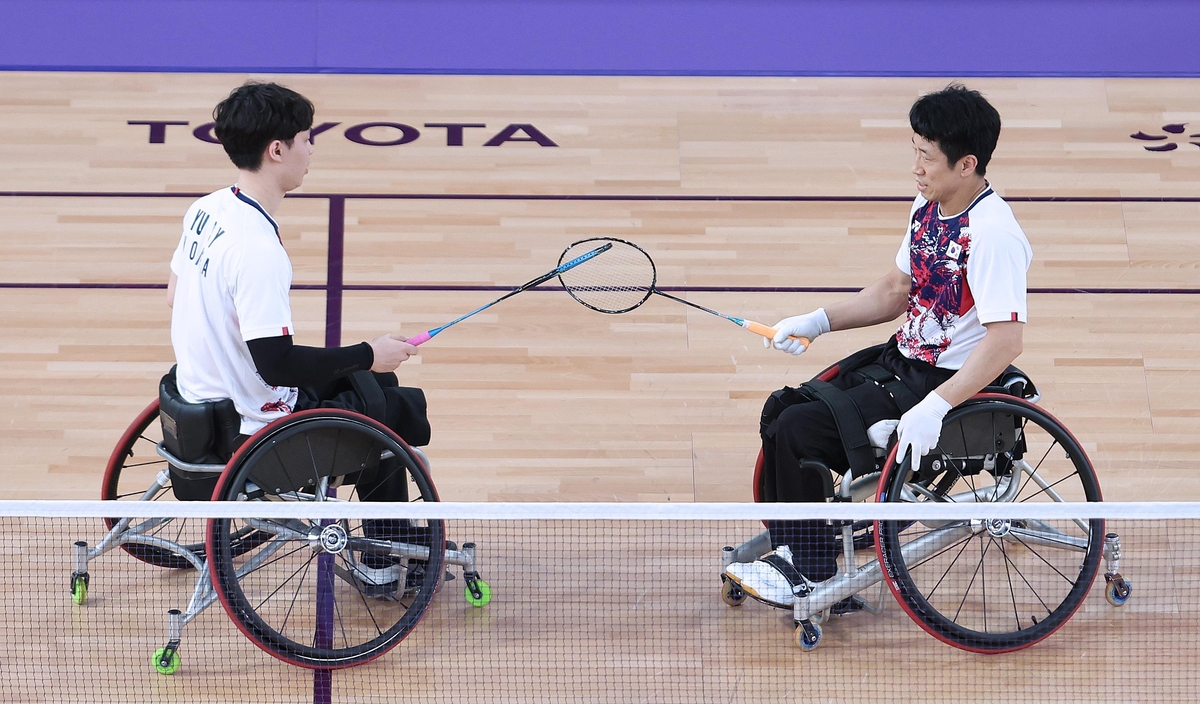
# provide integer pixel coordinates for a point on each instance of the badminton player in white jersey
(959, 281)
(231, 323)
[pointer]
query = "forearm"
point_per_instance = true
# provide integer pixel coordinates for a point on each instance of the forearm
(999, 347)
(883, 300)
(281, 363)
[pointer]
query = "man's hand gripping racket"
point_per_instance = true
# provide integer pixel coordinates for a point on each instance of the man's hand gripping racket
(581, 257)
(625, 277)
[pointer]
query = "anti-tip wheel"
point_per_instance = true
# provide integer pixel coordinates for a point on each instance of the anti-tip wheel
(481, 597)
(731, 593)
(166, 664)
(1117, 591)
(808, 636)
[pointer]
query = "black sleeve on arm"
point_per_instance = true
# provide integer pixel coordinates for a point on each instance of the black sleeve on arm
(280, 363)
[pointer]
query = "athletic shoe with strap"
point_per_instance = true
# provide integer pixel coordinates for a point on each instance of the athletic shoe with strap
(772, 578)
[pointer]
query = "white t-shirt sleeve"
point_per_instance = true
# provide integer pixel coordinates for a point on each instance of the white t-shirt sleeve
(904, 256)
(261, 284)
(997, 272)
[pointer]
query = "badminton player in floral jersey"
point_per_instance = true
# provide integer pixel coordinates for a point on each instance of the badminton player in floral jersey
(960, 283)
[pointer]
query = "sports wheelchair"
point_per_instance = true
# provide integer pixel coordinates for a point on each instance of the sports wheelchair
(321, 594)
(986, 586)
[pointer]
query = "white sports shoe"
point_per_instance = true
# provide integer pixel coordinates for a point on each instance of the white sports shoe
(770, 578)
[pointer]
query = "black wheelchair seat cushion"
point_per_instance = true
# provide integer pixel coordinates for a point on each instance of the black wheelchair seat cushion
(197, 433)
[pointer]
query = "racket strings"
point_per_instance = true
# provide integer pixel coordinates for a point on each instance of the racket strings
(615, 281)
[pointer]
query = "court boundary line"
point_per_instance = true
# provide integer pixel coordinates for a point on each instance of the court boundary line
(603, 197)
(452, 288)
(335, 286)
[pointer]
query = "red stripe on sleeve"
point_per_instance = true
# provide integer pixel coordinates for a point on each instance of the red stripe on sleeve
(1014, 319)
(285, 330)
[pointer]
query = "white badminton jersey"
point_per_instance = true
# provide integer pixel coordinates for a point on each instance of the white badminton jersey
(967, 269)
(233, 285)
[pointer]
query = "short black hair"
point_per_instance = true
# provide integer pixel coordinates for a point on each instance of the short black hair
(960, 121)
(256, 114)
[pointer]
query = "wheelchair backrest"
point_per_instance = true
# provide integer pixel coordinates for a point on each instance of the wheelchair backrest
(201, 433)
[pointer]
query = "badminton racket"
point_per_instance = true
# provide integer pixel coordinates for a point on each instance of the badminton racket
(624, 278)
(564, 266)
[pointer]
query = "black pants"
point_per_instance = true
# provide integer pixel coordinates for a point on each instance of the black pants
(807, 431)
(403, 410)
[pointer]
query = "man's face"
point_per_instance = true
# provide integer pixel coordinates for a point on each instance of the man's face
(937, 178)
(295, 159)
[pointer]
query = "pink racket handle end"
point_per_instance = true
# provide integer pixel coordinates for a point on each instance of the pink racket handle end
(769, 332)
(416, 340)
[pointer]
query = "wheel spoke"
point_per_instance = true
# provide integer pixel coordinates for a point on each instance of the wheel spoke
(970, 584)
(1032, 590)
(295, 594)
(965, 542)
(1038, 555)
(1012, 593)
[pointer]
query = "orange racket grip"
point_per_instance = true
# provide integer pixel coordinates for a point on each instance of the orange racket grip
(769, 332)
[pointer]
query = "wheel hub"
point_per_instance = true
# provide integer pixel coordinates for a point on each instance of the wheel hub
(334, 538)
(998, 527)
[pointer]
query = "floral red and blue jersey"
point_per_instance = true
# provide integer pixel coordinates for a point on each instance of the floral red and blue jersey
(967, 270)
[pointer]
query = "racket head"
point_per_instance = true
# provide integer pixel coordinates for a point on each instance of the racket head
(614, 281)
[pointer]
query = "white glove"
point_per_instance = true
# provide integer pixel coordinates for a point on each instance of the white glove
(921, 427)
(809, 325)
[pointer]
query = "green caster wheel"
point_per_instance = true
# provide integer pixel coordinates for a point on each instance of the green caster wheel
(166, 663)
(480, 596)
(79, 589)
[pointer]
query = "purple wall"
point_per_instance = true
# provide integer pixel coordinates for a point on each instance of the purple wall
(873, 37)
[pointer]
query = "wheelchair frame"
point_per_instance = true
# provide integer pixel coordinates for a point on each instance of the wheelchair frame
(214, 583)
(815, 603)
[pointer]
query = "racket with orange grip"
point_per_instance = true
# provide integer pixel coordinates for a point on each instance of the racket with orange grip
(624, 277)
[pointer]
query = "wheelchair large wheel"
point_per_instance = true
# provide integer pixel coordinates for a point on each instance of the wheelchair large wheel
(332, 593)
(999, 585)
(131, 471)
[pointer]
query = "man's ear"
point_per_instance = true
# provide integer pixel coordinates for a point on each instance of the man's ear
(967, 165)
(275, 151)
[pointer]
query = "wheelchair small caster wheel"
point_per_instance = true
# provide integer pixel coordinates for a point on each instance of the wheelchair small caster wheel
(166, 661)
(478, 593)
(1117, 591)
(808, 635)
(731, 592)
(79, 588)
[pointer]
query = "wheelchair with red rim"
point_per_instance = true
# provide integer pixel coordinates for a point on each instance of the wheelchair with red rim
(998, 446)
(321, 594)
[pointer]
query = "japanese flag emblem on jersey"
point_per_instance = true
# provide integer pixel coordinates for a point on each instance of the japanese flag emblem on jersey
(953, 250)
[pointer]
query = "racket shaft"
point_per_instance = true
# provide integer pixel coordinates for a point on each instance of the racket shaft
(425, 336)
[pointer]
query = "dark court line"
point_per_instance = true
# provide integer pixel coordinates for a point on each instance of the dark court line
(673, 289)
(604, 197)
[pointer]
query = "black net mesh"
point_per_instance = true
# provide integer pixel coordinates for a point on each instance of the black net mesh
(634, 610)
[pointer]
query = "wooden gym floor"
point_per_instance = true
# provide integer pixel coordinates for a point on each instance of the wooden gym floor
(737, 184)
